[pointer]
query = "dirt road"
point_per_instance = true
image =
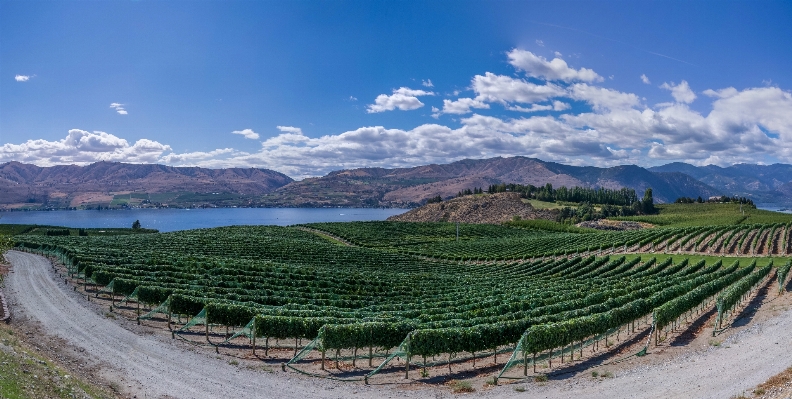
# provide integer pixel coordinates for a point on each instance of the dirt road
(154, 367)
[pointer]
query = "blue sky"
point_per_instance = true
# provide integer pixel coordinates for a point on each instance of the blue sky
(311, 87)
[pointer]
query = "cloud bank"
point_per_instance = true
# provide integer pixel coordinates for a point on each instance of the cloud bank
(547, 110)
(247, 133)
(403, 98)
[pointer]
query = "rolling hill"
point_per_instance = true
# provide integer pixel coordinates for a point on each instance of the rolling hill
(118, 184)
(102, 183)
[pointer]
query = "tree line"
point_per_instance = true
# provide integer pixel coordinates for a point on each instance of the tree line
(601, 196)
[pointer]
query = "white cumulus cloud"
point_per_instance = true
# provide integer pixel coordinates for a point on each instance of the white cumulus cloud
(83, 147)
(751, 125)
(403, 98)
(247, 133)
(645, 79)
(499, 88)
(680, 92)
(459, 106)
(427, 83)
(557, 69)
(22, 78)
(119, 108)
(555, 106)
(602, 98)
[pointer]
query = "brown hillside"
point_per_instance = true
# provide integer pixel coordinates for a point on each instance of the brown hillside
(24, 183)
(486, 208)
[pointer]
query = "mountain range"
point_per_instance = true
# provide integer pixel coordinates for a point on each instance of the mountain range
(768, 184)
(119, 184)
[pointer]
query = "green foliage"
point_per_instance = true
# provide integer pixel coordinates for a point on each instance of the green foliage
(600, 196)
(125, 286)
(783, 273)
(366, 334)
(153, 295)
(230, 314)
(732, 295)
(182, 303)
(709, 214)
(670, 311)
(546, 225)
(400, 279)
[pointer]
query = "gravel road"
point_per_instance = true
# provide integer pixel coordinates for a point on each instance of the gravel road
(162, 368)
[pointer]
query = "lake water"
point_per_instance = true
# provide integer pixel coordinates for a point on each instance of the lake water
(184, 219)
(775, 208)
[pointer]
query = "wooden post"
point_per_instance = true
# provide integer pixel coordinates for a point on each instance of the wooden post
(525, 363)
(407, 368)
(254, 336)
(207, 327)
(534, 362)
(323, 359)
(371, 355)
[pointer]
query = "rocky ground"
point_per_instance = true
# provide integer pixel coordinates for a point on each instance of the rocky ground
(482, 208)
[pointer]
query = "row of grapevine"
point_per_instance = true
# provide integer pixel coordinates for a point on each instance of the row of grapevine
(736, 293)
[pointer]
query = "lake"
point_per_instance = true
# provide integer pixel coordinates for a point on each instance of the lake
(184, 219)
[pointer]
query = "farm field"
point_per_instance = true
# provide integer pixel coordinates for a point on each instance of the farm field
(359, 300)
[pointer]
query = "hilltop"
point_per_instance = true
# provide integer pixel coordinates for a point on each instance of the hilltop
(484, 208)
(410, 187)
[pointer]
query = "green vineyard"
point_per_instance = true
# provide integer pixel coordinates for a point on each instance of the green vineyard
(413, 292)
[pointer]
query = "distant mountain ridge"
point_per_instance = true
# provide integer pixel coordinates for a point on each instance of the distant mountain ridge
(411, 186)
(119, 184)
(768, 184)
(62, 185)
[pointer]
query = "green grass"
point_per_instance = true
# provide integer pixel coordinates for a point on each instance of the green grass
(40, 230)
(547, 225)
(686, 215)
(545, 205)
(15, 229)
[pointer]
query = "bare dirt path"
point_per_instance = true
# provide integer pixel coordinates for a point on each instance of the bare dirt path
(155, 367)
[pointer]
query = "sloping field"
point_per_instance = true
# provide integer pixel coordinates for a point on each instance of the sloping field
(405, 292)
(160, 367)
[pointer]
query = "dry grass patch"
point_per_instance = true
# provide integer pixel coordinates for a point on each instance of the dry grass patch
(777, 385)
(460, 386)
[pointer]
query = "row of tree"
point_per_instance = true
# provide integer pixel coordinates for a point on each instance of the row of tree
(585, 211)
(601, 196)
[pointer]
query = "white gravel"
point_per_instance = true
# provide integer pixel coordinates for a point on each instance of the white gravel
(163, 368)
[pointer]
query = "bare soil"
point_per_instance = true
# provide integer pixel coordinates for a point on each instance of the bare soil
(144, 361)
(488, 208)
